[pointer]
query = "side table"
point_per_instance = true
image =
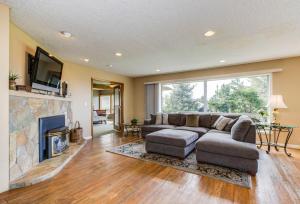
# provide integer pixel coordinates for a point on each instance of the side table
(134, 129)
(275, 130)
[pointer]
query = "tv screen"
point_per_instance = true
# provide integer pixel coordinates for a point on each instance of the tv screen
(47, 71)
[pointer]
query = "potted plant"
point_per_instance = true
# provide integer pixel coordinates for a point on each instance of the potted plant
(12, 80)
(134, 121)
(263, 114)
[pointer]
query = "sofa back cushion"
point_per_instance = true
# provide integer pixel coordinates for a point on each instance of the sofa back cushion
(174, 119)
(158, 120)
(153, 119)
(214, 117)
(165, 120)
(204, 120)
(182, 120)
(240, 129)
(230, 125)
(192, 120)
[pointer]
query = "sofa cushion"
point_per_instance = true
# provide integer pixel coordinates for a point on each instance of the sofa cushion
(222, 143)
(200, 130)
(179, 138)
(174, 119)
(219, 131)
(182, 119)
(230, 124)
(158, 120)
(214, 118)
(165, 119)
(232, 115)
(192, 120)
(204, 120)
(152, 128)
(221, 123)
(153, 119)
(240, 129)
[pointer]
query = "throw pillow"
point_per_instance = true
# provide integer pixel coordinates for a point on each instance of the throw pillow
(165, 119)
(192, 120)
(230, 124)
(221, 122)
(153, 119)
(240, 129)
(158, 120)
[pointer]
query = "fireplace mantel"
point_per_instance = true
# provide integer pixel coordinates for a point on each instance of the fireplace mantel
(36, 95)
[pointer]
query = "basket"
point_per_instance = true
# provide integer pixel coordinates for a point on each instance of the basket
(76, 134)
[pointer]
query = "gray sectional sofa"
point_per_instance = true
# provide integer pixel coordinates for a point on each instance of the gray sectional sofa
(233, 147)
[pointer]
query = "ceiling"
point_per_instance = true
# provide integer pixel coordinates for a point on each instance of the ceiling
(162, 34)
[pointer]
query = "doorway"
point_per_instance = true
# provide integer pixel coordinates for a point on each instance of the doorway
(107, 107)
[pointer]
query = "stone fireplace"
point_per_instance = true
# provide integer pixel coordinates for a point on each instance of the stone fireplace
(26, 109)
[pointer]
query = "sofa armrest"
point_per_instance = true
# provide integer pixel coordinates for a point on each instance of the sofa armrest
(147, 122)
(251, 135)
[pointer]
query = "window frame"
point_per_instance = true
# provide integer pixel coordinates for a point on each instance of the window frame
(110, 101)
(207, 79)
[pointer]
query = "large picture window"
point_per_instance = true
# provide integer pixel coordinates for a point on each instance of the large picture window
(229, 95)
(187, 96)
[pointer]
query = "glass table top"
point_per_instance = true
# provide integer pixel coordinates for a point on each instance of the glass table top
(276, 125)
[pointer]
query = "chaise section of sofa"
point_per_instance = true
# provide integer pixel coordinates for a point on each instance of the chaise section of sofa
(219, 148)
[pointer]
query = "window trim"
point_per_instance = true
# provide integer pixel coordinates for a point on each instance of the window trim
(221, 76)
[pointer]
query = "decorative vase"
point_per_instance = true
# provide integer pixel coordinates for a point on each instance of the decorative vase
(12, 85)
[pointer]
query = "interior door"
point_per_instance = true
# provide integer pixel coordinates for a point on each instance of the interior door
(117, 108)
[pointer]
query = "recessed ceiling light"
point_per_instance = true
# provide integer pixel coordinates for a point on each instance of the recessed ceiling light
(66, 34)
(119, 54)
(157, 70)
(222, 61)
(86, 59)
(209, 33)
(109, 65)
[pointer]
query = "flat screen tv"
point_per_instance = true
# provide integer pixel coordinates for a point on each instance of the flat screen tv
(46, 72)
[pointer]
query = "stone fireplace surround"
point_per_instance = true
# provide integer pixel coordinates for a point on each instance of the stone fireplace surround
(25, 109)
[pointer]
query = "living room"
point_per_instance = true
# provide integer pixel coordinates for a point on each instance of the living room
(203, 103)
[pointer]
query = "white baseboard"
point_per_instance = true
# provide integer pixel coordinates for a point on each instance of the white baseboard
(290, 146)
(87, 137)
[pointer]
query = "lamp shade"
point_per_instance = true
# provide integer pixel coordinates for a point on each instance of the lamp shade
(276, 101)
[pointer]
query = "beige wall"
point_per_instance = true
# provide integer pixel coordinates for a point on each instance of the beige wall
(4, 66)
(286, 83)
(78, 77)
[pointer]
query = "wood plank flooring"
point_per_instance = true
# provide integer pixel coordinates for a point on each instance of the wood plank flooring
(96, 176)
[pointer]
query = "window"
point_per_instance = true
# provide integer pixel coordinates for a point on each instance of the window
(105, 103)
(239, 95)
(188, 96)
(230, 95)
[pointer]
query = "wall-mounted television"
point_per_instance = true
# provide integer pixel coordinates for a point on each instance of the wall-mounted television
(45, 71)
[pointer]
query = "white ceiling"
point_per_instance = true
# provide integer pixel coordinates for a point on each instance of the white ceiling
(164, 34)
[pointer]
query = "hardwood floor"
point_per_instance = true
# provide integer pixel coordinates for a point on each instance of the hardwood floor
(96, 176)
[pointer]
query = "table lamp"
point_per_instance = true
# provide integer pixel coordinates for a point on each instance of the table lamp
(276, 102)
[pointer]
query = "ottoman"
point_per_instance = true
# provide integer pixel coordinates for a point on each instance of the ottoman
(178, 143)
